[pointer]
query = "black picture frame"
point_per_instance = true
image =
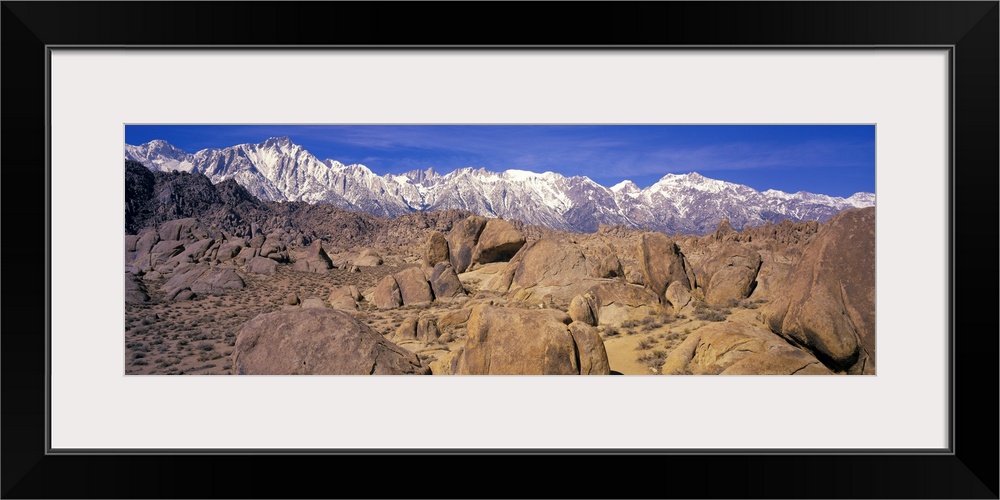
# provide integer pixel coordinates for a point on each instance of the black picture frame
(968, 470)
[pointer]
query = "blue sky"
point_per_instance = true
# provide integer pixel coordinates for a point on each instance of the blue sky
(837, 160)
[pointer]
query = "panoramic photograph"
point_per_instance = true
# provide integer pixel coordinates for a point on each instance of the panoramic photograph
(499, 250)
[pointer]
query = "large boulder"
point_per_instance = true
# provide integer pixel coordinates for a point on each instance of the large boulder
(462, 240)
(608, 267)
(194, 251)
(262, 265)
(201, 278)
(313, 303)
(444, 281)
(315, 259)
(274, 249)
(615, 302)
(427, 329)
(677, 296)
(135, 290)
(317, 342)
(386, 295)
(183, 229)
(739, 349)
(344, 297)
(498, 242)
(137, 252)
(731, 273)
(581, 310)
(435, 249)
(447, 364)
(247, 254)
(546, 267)
(130, 242)
(368, 258)
(147, 239)
(829, 299)
(593, 356)
(164, 251)
(662, 263)
(452, 319)
(407, 330)
(413, 286)
(230, 249)
(508, 341)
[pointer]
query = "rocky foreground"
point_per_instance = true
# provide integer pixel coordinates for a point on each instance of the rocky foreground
(220, 283)
(480, 298)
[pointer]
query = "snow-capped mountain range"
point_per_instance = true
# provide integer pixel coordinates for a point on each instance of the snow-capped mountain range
(279, 170)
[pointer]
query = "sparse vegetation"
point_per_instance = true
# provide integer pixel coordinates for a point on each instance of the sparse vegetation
(646, 344)
(653, 359)
(188, 337)
(704, 312)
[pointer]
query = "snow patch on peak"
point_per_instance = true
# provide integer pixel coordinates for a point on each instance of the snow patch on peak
(690, 203)
(357, 167)
(283, 140)
(334, 164)
(520, 175)
(774, 193)
(861, 200)
(625, 185)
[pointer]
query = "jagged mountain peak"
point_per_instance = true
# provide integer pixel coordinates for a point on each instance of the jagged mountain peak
(422, 176)
(278, 141)
(278, 169)
(625, 186)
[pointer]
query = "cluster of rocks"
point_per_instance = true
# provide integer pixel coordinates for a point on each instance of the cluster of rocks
(829, 304)
(192, 258)
(315, 341)
(553, 291)
(472, 242)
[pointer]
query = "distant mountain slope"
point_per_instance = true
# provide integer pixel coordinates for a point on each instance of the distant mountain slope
(279, 170)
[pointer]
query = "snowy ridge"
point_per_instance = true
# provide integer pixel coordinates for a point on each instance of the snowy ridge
(279, 170)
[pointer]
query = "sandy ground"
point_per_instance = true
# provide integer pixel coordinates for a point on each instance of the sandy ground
(197, 336)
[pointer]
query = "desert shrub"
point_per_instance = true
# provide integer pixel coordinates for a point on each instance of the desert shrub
(709, 315)
(630, 323)
(646, 344)
(611, 331)
(653, 359)
(705, 312)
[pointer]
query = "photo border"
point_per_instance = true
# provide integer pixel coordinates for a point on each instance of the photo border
(31, 30)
